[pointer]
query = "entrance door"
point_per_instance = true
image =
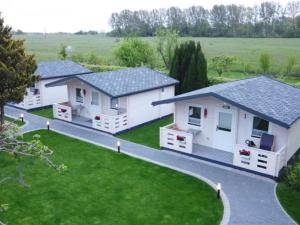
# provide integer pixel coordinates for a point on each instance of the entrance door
(95, 103)
(224, 130)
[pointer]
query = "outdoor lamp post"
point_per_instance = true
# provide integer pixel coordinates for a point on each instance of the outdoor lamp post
(218, 190)
(22, 117)
(119, 146)
(48, 125)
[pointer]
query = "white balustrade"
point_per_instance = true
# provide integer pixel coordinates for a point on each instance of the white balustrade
(259, 160)
(175, 139)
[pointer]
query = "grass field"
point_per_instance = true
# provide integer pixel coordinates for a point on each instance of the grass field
(18, 122)
(104, 188)
(246, 49)
(148, 134)
(45, 112)
(290, 200)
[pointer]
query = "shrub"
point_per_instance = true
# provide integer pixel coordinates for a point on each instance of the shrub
(265, 62)
(222, 63)
(103, 68)
(292, 175)
(291, 61)
(134, 52)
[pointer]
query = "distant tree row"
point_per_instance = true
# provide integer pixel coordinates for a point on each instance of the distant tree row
(269, 19)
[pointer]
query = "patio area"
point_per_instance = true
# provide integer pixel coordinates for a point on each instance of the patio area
(83, 121)
(201, 151)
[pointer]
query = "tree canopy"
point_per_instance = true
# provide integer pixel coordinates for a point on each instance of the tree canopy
(134, 52)
(189, 66)
(268, 19)
(16, 69)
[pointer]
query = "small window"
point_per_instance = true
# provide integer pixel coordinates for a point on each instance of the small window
(260, 126)
(194, 115)
(95, 98)
(114, 103)
(162, 90)
(79, 97)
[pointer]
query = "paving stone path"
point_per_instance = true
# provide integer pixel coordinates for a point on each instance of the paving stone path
(248, 199)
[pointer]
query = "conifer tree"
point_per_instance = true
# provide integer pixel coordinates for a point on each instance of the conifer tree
(16, 69)
(189, 66)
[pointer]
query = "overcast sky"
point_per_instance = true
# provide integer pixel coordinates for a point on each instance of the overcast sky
(74, 15)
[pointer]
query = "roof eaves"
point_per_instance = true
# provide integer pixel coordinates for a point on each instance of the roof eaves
(144, 90)
(263, 116)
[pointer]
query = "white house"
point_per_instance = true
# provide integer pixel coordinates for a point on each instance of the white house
(49, 71)
(115, 101)
(252, 124)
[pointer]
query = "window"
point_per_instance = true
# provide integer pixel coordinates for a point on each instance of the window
(260, 126)
(225, 121)
(79, 97)
(95, 98)
(114, 103)
(163, 90)
(194, 115)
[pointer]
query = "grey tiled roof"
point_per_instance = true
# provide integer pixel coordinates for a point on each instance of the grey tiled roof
(263, 96)
(127, 81)
(59, 68)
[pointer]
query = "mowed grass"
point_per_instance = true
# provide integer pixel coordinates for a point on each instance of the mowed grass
(103, 187)
(290, 200)
(148, 134)
(246, 50)
(44, 112)
(18, 122)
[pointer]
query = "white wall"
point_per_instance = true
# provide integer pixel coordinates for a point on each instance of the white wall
(243, 125)
(50, 95)
(141, 110)
(293, 139)
(245, 130)
(88, 110)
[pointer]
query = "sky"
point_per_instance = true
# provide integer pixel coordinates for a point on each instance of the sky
(74, 15)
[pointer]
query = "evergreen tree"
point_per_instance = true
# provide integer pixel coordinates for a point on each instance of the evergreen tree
(189, 66)
(16, 69)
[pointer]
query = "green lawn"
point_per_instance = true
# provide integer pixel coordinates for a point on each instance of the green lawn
(104, 187)
(45, 112)
(148, 134)
(17, 122)
(290, 200)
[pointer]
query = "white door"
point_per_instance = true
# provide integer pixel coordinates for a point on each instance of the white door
(95, 103)
(224, 130)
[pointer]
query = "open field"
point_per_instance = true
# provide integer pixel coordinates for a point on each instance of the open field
(103, 187)
(246, 50)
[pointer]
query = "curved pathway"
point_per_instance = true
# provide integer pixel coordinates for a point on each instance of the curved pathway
(248, 199)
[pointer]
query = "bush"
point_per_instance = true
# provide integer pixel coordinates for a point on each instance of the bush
(134, 52)
(103, 68)
(265, 62)
(292, 175)
(291, 61)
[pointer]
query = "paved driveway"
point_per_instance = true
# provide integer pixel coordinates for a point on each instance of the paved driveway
(248, 199)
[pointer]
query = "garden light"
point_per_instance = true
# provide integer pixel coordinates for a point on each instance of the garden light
(218, 190)
(119, 146)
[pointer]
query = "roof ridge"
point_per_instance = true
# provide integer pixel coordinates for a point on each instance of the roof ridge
(279, 81)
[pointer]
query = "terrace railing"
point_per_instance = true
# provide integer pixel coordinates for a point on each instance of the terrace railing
(260, 160)
(110, 123)
(62, 111)
(176, 139)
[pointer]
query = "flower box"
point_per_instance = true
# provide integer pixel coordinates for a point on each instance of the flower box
(244, 152)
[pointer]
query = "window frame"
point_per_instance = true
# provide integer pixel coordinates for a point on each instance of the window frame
(113, 106)
(77, 97)
(261, 131)
(201, 115)
(98, 98)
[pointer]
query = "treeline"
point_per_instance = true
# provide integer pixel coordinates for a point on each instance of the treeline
(269, 19)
